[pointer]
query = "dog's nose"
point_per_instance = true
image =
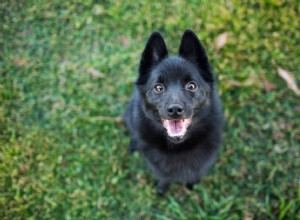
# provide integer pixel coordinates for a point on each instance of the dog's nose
(175, 110)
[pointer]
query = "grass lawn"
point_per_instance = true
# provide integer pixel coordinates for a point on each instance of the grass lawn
(67, 70)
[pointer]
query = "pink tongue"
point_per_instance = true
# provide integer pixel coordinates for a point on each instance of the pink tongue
(176, 127)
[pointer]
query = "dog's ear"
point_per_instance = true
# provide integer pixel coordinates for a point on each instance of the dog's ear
(154, 52)
(192, 50)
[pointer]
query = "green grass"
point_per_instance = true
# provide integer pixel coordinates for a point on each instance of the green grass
(61, 159)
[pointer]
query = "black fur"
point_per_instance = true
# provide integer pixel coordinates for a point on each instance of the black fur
(187, 158)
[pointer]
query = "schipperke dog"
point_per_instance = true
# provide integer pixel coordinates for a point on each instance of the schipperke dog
(174, 115)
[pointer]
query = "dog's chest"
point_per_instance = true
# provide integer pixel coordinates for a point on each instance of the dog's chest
(180, 167)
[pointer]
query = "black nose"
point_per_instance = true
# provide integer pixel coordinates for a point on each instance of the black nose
(175, 110)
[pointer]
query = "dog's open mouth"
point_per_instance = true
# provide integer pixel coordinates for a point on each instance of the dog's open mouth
(177, 128)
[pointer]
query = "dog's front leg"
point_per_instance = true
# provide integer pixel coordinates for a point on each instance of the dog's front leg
(162, 186)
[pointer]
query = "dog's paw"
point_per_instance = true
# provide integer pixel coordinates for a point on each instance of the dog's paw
(190, 186)
(162, 187)
(132, 146)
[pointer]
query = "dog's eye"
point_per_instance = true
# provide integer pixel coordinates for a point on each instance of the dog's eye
(159, 88)
(191, 86)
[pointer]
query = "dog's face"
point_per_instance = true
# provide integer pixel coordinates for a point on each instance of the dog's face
(174, 89)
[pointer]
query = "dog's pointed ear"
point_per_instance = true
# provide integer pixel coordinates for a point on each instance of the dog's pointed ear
(192, 50)
(154, 52)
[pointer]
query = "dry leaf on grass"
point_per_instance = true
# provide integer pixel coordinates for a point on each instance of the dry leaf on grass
(95, 73)
(252, 80)
(221, 40)
(21, 62)
(125, 41)
(279, 149)
(106, 118)
(268, 86)
(198, 199)
(289, 80)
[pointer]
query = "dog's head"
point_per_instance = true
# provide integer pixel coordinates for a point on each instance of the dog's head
(175, 89)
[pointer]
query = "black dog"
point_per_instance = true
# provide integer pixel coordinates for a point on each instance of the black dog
(174, 115)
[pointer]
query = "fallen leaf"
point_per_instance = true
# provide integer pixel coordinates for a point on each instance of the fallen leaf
(279, 149)
(20, 62)
(99, 203)
(142, 180)
(125, 41)
(267, 85)
(277, 135)
(58, 105)
(221, 40)
(95, 73)
(23, 33)
(23, 168)
(95, 46)
(252, 80)
(98, 9)
(289, 80)
(197, 198)
(282, 126)
(249, 82)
